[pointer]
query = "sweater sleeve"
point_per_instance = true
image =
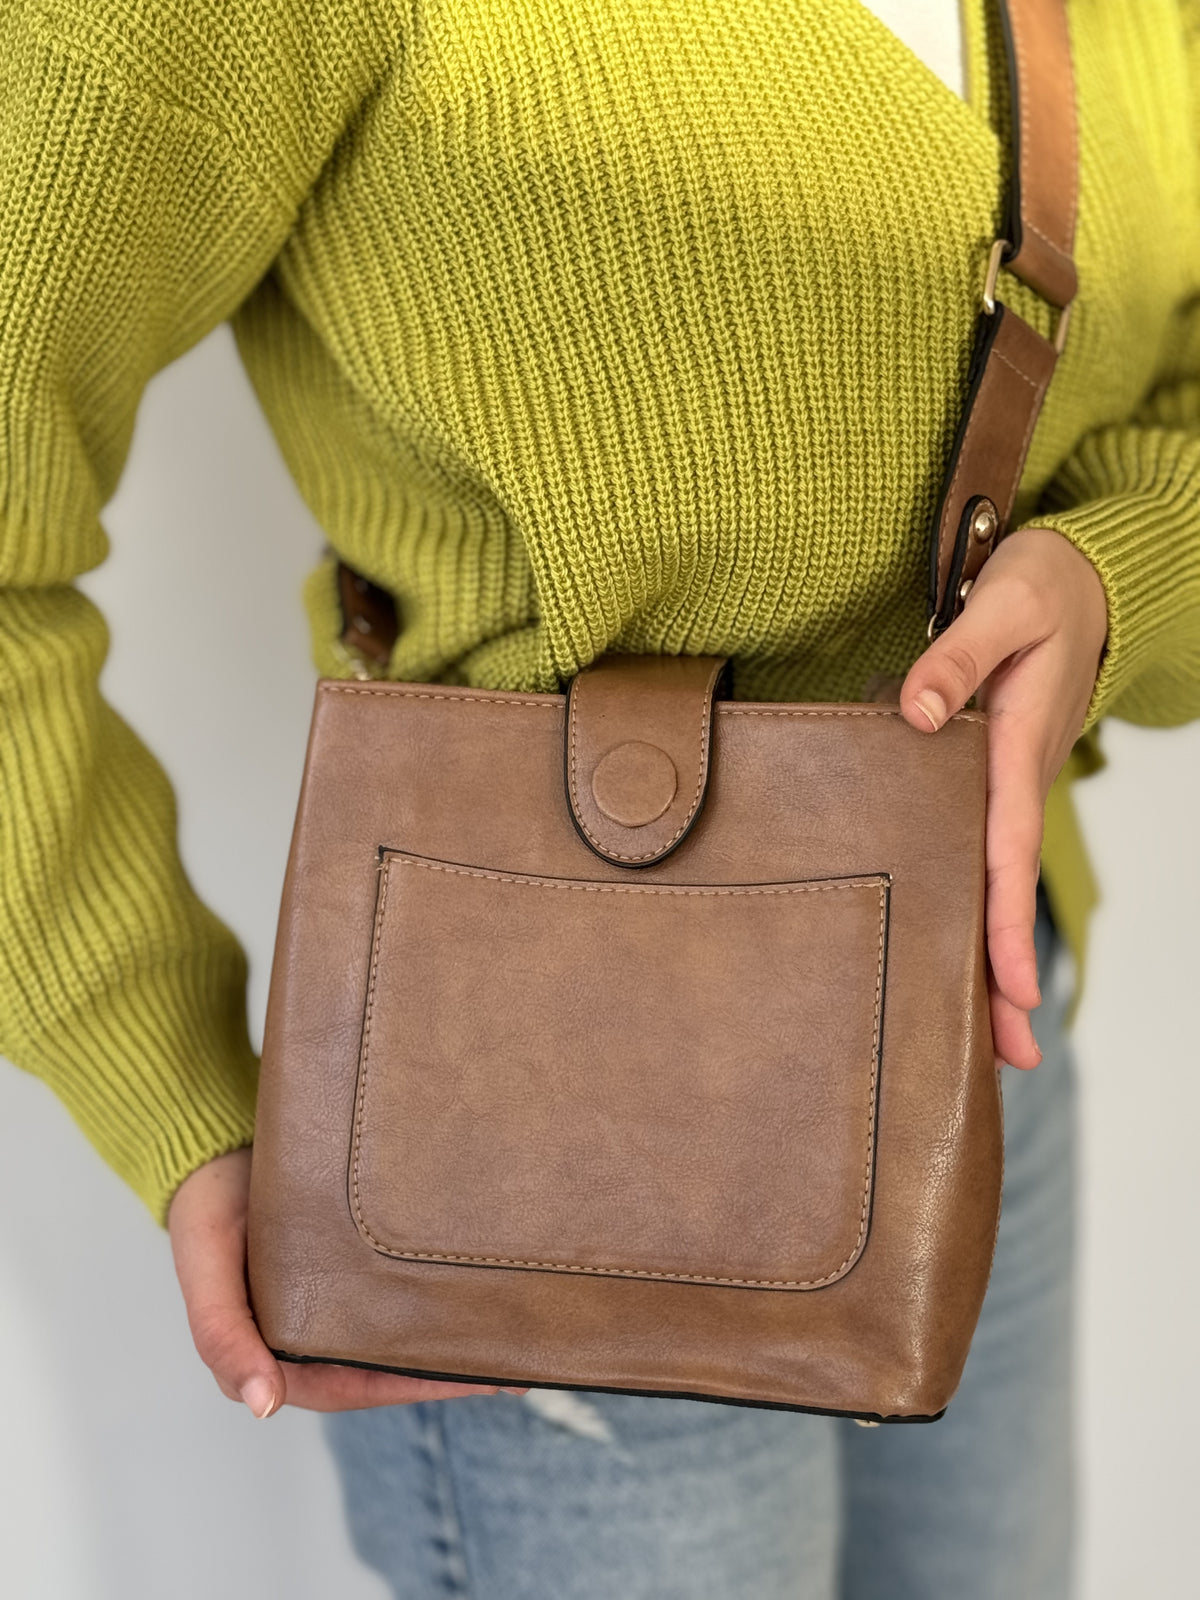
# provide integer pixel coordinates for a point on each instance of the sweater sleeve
(129, 228)
(1128, 497)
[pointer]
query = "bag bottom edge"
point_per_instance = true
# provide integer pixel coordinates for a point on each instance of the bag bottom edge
(603, 1388)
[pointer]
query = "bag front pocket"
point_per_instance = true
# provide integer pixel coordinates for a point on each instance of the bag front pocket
(636, 1079)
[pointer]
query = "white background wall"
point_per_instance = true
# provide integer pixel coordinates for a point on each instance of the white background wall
(124, 1474)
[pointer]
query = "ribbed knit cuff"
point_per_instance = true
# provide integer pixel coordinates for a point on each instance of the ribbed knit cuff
(1143, 538)
(160, 1073)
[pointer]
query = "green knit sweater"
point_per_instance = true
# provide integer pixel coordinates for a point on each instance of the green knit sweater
(580, 323)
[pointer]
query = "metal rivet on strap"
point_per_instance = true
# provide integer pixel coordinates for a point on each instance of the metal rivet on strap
(964, 589)
(984, 522)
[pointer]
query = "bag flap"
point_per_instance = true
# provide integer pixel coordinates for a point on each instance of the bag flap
(638, 738)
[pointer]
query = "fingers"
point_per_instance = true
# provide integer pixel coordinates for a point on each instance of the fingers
(999, 628)
(208, 1238)
(329, 1388)
(1012, 1034)
(207, 1223)
(993, 626)
(1014, 844)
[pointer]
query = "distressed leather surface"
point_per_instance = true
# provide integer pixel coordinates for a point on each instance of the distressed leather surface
(1046, 145)
(522, 1096)
(660, 1081)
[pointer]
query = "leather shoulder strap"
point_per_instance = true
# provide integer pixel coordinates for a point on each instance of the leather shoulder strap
(1045, 144)
(1012, 363)
(370, 624)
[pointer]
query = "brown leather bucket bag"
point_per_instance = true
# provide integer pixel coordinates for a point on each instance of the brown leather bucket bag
(637, 1038)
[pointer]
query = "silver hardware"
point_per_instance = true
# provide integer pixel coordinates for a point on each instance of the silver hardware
(984, 522)
(993, 272)
(1060, 332)
(989, 295)
(863, 1423)
(964, 590)
(359, 667)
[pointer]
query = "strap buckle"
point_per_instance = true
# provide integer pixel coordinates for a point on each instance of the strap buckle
(995, 261)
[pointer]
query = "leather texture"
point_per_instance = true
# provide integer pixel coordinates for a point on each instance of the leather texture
(726, 1124)
(496, 1125)
(1011, 371)
(637, 1040)
(1012, 363)
(637, 756)
(1045, 139)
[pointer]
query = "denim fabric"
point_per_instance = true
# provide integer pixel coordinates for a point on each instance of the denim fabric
(576, 1496)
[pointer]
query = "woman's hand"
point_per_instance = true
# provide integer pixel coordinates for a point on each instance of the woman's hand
(207, 1223)
(1028, 641)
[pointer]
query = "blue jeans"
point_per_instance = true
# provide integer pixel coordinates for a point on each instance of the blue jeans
(565, 1495)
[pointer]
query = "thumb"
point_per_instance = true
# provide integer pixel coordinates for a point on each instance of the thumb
(944, 677)
(207, 1223)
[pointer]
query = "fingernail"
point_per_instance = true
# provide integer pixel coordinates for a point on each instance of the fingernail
(259, 1395)
(514, 1391)
(931, 705)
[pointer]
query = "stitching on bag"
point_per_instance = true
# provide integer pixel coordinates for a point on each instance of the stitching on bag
(1018, 46)
(1033, 416)
(366, 1044)
(1073, 207)
(1029, 426)
(972, 423)
(649, 855)
(1062, 251)
(624, 1272)
(727, 708)
(1013, 367)
(1038, 389)
(1047, 240)
(331, 686)
(732, 709)
(529, 881)
(950, 493)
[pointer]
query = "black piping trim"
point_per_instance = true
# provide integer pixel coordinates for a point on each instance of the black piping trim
(879, 1078)
(598, 1388)
(1013, 231)
(962, 540)
(986, 330)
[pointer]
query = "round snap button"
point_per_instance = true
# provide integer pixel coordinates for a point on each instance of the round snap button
(634, 783)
